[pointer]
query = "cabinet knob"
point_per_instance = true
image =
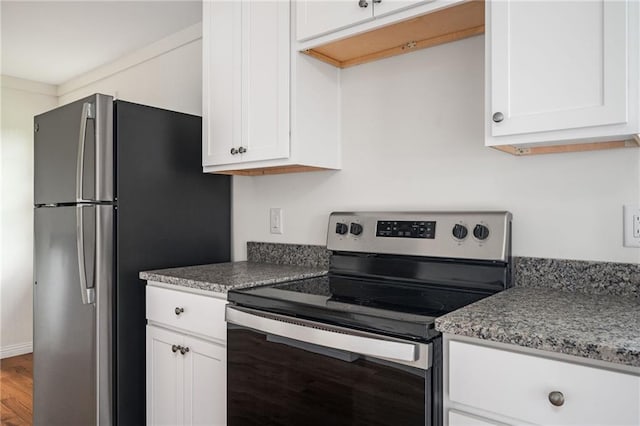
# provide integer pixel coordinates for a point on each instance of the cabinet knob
(556, 398)
(179, 310)
(377, 1)
(363, 3)
(498, 117)
(242, 150)
(234, 151)
(184, 350)
(175, 348)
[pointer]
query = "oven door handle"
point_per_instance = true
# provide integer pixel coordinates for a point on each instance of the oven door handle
(328, 336)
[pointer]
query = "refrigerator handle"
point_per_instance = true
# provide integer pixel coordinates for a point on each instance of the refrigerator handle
(87, 113)
(88, 294)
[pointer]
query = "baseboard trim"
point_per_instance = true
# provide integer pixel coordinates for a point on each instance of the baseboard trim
(15, 350)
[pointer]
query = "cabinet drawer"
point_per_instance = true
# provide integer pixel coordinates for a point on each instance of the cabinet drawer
(460, 419)
(199, 314)
(518, 386)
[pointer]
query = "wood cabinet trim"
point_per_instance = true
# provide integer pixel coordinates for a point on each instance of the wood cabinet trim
(293, 168)
(579, 147)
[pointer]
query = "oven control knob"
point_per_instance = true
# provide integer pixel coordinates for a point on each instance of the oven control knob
(341, 228)
(460, 232)
(481, 232)
(356, 229)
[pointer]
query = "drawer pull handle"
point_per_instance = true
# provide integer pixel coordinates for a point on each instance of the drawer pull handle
(184, 350)
(556, 398)
(178, 311)
(175, 348)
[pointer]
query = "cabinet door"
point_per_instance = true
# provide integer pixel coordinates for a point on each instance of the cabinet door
(557, 65)
(314, 18)
(164, 378)
(265, 80)
(221, 81)
(245, 81)
(205, 384)
(386, 7)
(520, 386)
(459, 419)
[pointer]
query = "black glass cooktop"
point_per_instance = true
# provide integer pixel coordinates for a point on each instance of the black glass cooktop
(401, 309)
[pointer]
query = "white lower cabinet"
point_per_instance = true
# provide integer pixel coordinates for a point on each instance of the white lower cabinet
(186, 358)
(164, 377)
(185, 379)
(460, 419)
(205, 391)
(489, 385)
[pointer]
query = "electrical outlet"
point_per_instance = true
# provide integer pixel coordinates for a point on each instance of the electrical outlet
(275, 220)
(631, 225)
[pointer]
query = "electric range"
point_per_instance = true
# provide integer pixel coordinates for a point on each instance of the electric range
(359, 346)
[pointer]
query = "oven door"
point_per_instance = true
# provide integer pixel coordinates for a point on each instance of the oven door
(287, 371)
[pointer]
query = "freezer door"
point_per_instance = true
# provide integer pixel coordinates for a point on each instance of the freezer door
(73, 152)
(72, 339)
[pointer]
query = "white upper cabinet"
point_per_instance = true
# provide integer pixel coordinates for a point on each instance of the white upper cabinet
(316, 18)
(561, 71)
(248, 73)
(385, 7)
(265, 80)
(255, 119)
(320, 17)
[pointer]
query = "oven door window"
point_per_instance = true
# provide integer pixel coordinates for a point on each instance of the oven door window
(274, 380)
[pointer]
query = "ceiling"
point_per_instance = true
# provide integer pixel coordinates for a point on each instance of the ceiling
(55, 41)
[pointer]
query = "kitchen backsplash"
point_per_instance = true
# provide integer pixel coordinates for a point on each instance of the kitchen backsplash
(622, 279)
(288, 254)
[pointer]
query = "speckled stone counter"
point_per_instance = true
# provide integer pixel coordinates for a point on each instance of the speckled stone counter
(222, 277)
(601, 327)
(288, 254)
(620, 279)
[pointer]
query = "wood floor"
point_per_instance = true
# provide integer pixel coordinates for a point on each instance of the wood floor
(16, 390)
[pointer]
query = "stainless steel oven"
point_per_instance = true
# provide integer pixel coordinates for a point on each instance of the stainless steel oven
(359, 347)
(288, 371)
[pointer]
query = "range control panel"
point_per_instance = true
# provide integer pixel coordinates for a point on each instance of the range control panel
(406, 229)
(464, 235)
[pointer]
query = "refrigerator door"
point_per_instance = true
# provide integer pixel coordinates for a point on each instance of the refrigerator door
(71, 353)
(73, 151)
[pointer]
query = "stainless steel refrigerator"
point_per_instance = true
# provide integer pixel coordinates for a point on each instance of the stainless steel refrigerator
(118, 189)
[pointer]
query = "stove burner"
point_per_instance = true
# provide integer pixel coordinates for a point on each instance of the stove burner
(396, 284)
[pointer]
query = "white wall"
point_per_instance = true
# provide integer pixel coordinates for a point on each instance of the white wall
(413, 140)
(166, 74)
(20, 101)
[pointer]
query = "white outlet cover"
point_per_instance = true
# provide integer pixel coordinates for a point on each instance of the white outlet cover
(631, 225)
(275, 220)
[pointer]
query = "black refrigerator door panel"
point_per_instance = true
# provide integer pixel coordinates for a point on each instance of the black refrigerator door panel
(64, 328)
(169, 214)
(84, 127)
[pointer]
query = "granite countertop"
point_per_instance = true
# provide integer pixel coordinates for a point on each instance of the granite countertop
(222, 277)
(601, 327)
